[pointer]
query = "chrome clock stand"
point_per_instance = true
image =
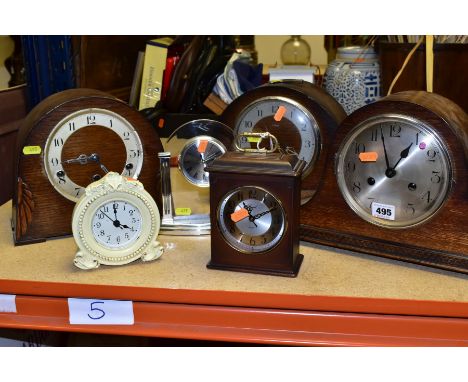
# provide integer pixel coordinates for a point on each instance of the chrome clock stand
(171, 224)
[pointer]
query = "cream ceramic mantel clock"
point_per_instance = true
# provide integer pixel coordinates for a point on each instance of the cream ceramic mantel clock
(115, 222)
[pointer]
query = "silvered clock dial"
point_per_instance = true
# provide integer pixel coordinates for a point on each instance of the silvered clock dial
(197, 153)
(251, 219)
(394, 171)
(289, 121)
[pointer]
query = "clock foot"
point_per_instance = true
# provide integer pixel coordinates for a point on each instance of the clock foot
(85, 261)
(154, 252)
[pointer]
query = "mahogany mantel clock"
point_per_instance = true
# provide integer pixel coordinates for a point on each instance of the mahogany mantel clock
(255, 199)
(398, 185)
(66, 142)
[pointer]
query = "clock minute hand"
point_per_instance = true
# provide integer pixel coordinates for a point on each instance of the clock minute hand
(258, 216)
(384, 148)
(107, 216)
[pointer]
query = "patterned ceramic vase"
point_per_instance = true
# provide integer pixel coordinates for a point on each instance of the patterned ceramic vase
(353, 78)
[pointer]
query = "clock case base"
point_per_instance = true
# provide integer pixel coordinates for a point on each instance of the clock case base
(263, 271)
(440, 242)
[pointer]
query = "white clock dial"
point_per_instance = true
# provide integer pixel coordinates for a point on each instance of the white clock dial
(293, 126)
(116, 224)
(53, 153)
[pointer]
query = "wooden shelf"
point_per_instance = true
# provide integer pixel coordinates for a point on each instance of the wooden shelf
(339, 298)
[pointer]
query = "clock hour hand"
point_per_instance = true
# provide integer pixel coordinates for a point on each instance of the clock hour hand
(249, 210)
(84, 159)
(403, 154)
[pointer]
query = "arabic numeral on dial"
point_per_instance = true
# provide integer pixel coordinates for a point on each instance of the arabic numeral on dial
(395, 131)
(102, 233)
(274, 109)
(248, 124)
(359, 148)
(410, 209)
(417, 137)
(259, 113)
(126, 135)
(351, 166)
(117, 239)
(110, 123)
(435, 178)
(371, 201)
(58, 142)
(374, 135)
(71, 126)
(252, 241)
(431, 154)
(357, 187)
(54, 161)
(427, 197)
(77, 191)
(135, 153)
(127, 236)
(91, 119)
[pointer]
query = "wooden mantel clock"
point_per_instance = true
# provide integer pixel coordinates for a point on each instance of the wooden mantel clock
(302, 116)
(398, 185)
(67, 141)
(254, 208)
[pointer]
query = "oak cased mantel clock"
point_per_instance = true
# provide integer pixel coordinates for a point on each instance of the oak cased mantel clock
(68, 141)
(254, 209)
(397, 185)
(302, 116)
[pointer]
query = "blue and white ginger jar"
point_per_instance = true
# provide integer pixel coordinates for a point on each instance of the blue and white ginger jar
(353, 78)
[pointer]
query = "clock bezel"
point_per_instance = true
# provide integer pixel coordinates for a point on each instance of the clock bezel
(134, 173)
(111, 188)
(356, 207)
(183, 152)
(279, 236)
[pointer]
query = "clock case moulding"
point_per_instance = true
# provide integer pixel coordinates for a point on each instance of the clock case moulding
(327, 112)
(39, 211)
(442, 240)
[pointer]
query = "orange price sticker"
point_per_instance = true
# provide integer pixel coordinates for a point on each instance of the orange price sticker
(370, 156)
(202, 146)
(239, 215)
(279, 113)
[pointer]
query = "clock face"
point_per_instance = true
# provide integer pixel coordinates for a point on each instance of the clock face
(394, 171)
(197, 153)
(293, 126)
(72, 160)
(116, 224)
(251, 219)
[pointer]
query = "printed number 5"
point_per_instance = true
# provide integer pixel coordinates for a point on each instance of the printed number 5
(97, 315)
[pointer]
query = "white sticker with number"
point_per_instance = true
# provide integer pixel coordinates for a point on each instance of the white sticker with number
(383, 211)
(7, 303)
(100, 312)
